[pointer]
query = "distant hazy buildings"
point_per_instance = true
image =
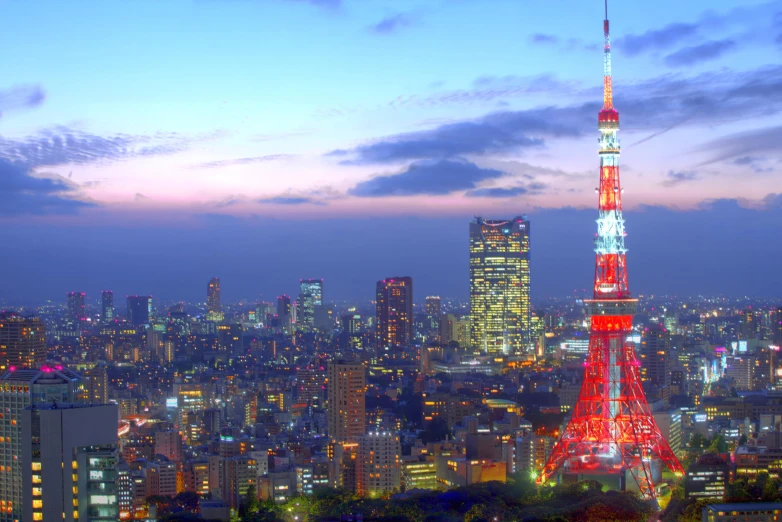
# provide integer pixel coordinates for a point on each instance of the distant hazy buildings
(284, 313)
(18, 390)
(309, 303)
(346, 405)
(22, 341)
(70, 462)
(214, 311)
(76, 310)
(139, 309)
(500, 311)
(107, 306)
(394, 319)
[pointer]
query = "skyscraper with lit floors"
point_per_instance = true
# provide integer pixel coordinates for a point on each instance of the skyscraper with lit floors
(20, 389)
(69, 462)
(500, 311)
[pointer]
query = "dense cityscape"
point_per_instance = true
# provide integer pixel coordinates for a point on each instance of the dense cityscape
(603, 405)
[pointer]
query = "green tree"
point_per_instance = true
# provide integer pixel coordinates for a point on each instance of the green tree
(718, 444)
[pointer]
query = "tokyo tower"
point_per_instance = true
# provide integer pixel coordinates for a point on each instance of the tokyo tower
(612, 430)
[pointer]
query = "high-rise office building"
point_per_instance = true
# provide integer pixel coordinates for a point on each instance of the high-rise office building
(500, 312)
(347, 401)
(69, 462)
(394, 320)
(284, 312)
(351, 337)
(107, 306)
(654, 354)
(20, 389)
(310, 300)
(378, 467)
(139, 309)
(76, 310)
(214, 310)
(433, 317)
(22, 341)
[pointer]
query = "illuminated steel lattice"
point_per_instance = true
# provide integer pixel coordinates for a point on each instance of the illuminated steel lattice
(612, 429)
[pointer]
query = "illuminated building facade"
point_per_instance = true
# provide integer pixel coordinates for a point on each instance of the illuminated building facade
(214, 310)
(18, 390)
(107, 306)
(500, 312)
(612, 431)
(310, 300)
(394, 313)
(379, 464)
(81, 439)
(284, 313)
(22, 341)
(347, 403)
(139, 309)
(76, 310)
(351, 337)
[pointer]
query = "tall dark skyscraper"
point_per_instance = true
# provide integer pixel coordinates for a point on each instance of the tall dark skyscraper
(500, 311)
(107, 308)
(139, 309)
(214, 311)
(76, 310)
(310, 299)
(22, 341)
(654, 355)
(394, 318)
(284, 312)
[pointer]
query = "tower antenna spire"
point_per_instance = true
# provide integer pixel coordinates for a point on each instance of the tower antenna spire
(608, 93)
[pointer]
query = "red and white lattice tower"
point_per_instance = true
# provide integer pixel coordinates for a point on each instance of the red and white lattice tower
(611, 430)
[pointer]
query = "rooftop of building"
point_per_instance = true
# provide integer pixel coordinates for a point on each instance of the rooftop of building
(32, 375)
(66, 406)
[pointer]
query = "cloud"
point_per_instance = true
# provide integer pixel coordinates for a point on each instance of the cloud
(742, 146)
(699, 53)
(532, 189)
(495, 133)
(656, 39)
(392, 24)
(427, 177)
(545, 39)
(139, 197)
(289, 200)
(657, 105)
(21, 97)
(63, 145)
(674, 178)
(243, 161)
(21, 193)
(569, 44)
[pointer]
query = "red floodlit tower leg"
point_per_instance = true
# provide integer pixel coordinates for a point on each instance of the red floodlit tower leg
(612, 429)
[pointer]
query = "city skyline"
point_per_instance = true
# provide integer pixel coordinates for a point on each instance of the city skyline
(495, 126)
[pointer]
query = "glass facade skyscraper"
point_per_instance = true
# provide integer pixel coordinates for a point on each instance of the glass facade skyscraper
(310, 299)
(500, 311)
